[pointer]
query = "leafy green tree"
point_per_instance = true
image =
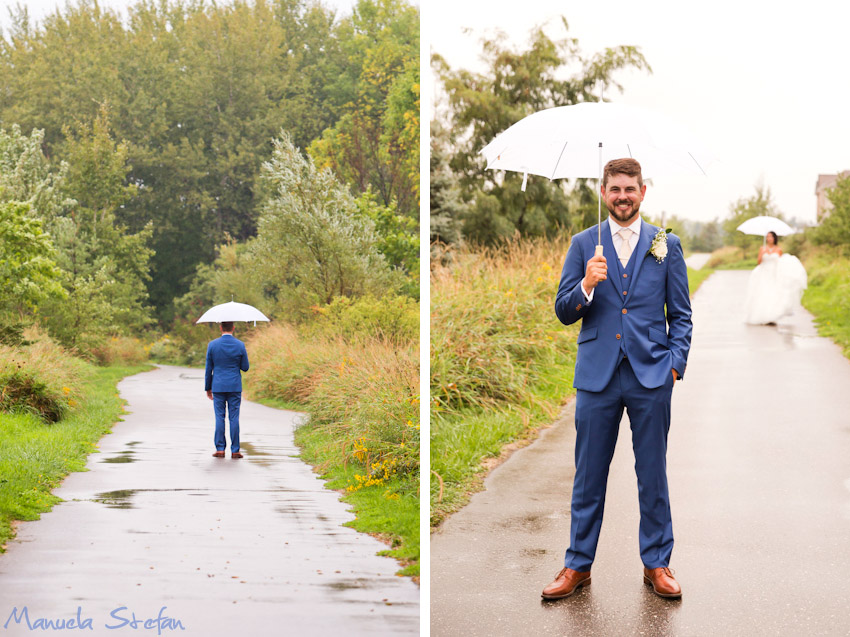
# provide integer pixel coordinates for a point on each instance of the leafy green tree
(28, 273)
(105, 267)
(375, 144)
(313, 245)
(447, 206)
(746, 208)
(516, 84)
(26, 175)
(397, 240)
(834, 229)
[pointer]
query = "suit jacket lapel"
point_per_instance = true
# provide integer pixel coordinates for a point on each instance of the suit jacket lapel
(610, 255)
(647, 234)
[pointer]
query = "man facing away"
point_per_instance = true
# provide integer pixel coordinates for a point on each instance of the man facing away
(627, 359)
(226, 356)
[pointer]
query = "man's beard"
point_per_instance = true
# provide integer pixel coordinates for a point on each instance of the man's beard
(623, 217)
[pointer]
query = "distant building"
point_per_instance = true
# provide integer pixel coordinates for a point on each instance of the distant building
(825, 182)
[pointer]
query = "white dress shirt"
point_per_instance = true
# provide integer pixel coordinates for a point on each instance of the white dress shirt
(614, 227)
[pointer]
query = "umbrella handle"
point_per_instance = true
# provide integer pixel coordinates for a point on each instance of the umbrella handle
(598, 251)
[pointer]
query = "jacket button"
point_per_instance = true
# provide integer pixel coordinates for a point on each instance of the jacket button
(625, 311)
(618, 337)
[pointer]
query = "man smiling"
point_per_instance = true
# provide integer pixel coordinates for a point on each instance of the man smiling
(635, 310)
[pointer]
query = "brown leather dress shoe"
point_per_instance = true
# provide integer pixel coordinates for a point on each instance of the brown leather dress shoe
(218, 454)
(567, 581)
(236, 455)
(662, 581)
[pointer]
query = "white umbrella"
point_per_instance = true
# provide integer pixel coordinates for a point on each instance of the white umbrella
(763, 224)
(232, 311)
(576, 141)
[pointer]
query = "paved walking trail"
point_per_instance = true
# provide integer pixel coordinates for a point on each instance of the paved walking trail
(248, 547)
(759, 471)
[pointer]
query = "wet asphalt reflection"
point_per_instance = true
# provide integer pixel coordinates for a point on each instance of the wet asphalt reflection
(230, 547)
(759, 471)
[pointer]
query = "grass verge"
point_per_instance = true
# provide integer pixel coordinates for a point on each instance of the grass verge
(35, 456)
(362, 435)
(828, 296)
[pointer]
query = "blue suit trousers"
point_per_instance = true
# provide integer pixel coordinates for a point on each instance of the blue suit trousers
(598, 416)
(231, 400)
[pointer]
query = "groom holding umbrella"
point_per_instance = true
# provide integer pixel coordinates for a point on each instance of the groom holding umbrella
(630, 353)
(226, 359)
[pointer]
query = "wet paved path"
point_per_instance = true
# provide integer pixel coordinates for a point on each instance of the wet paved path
(759, 470)
(231, 547)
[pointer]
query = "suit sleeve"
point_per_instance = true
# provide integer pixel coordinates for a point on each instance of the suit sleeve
(243, 362)
(679, 322)
(208, 372)
(570, 303)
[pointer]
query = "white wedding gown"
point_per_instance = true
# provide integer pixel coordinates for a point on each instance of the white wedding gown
(774, 289)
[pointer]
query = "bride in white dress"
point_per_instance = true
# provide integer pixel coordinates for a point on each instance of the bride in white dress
(775, 286)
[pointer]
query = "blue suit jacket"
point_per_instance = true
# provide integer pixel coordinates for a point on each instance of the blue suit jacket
(637, 320)
(226, 355)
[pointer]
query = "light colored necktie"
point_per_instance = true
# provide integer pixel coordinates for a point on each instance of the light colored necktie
(625, 247)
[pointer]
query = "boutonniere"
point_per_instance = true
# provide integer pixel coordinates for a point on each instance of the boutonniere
(658, 248)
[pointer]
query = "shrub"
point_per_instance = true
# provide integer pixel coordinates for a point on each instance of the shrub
(120, 350)
(41, 378)
(493, 325)
(392, 318)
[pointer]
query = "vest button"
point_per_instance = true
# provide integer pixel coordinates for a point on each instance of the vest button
(625, 292)
(625, 276)
(625, 311)
(618, 337)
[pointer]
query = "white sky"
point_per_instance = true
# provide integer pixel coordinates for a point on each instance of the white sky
(764, 87)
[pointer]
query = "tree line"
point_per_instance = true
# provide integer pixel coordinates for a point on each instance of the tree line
(132, 154)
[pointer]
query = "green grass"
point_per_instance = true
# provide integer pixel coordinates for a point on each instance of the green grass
(696, 278)
(389, 510)
(461, 441)
(828, 296)
(35, 456)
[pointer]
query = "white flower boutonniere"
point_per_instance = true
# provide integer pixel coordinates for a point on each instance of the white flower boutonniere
(658, 249)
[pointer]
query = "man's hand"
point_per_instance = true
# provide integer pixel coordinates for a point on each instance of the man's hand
(596, 271)
(675, 375)
(209, 395)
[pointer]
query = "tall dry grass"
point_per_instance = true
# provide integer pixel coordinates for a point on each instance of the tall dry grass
(493, 326)
(41, 378)
(362, 396)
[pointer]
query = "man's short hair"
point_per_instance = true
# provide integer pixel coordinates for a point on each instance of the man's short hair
(227, 326)
(625, 166)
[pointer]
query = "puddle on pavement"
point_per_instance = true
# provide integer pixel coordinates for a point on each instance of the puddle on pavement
(121, 499)
(116, 499)
(257, 455)
(124, 456)
(351, 584)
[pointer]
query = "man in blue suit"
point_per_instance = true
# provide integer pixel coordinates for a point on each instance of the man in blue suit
(226, 355)
(630, 353)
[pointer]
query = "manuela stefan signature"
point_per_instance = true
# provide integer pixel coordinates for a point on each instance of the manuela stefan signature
(120, 617)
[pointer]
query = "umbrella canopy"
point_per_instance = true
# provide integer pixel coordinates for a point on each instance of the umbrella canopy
(575, 141)
(232, 312)
(763, 224)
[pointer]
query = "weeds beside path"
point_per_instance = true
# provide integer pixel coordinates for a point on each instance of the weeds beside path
(36, 455)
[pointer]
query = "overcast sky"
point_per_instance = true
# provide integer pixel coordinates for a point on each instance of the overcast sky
(764, 87)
